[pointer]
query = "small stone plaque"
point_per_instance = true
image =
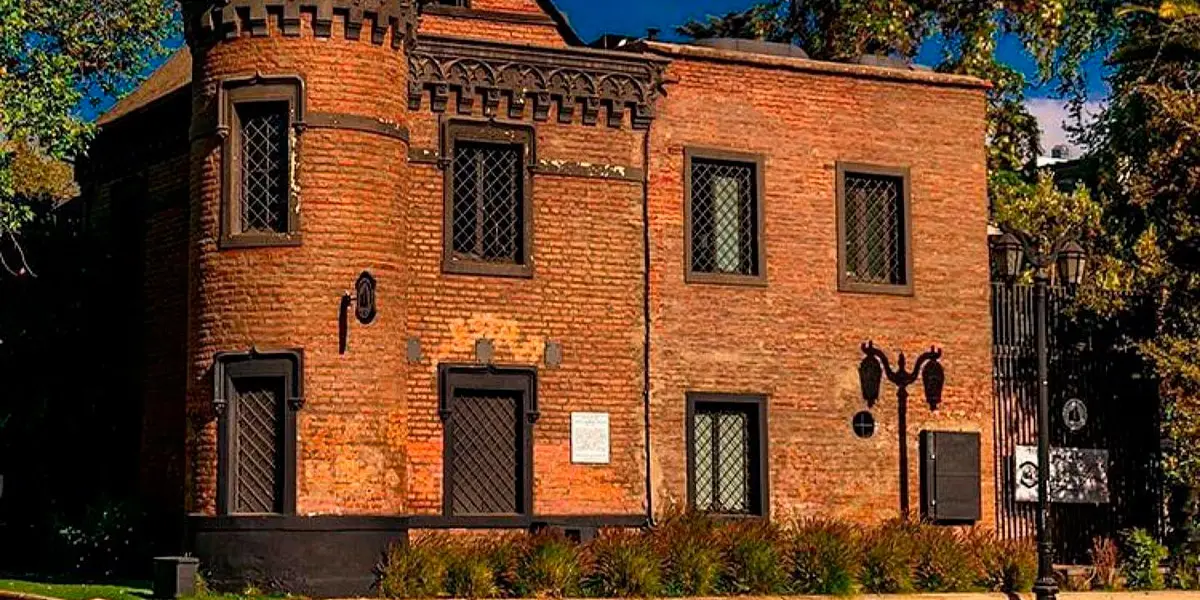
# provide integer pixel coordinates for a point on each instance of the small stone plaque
(554, 354)
(590, 438)
(485, 351)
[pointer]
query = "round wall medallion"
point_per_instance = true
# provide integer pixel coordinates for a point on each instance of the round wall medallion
(1075, 414)
(364, 298)
(863, 424)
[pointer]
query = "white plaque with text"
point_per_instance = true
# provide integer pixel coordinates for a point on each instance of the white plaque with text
(589, 438)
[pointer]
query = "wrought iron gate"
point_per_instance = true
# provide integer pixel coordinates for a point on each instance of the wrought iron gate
(1089, 362)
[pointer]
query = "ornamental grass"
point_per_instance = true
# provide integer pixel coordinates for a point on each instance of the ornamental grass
(691, 555)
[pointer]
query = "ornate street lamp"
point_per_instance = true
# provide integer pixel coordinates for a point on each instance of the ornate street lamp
(933, 377)
(1068, 259)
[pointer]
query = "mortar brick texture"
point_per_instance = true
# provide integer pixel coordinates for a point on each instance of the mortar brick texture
(352, 430)
(797, 339)
(370, 437)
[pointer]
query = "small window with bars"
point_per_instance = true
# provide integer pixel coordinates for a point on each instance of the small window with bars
(724, 217)
(259, 208)
(874, 229)
(263, 167)
(256, 399)
(727, 454)
(488, 206)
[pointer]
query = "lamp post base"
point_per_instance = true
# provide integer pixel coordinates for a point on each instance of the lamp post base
(1045, 588)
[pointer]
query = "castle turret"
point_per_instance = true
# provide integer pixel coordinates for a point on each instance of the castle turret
(299, 158)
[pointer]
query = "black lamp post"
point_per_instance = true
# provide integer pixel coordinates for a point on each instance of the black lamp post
(871, 370)
(1068, 258)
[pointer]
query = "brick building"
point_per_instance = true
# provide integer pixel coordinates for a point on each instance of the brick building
(606, 282)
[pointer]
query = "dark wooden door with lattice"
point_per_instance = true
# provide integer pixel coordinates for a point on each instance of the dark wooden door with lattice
(257, 453)
(486, 453)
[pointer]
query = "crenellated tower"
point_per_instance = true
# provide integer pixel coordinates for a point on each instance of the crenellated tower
(299, 174)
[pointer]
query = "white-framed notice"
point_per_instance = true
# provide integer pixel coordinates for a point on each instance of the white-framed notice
(590, 438)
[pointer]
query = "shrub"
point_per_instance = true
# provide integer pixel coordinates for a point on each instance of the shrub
(624, 564)
(472, 571)
(549, 565)
(823, 558)
(1019, 565)
(687, 543)
(945, 562)
(1185, 570)
(105, 541)
(753, 559)
(1142, 555)
(1106, 562)
(888, 558)
(416, 569)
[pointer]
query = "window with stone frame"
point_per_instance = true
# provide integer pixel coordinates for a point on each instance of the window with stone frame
(873, 229)
(727, 472)
(488, 207)
(724, 212)
(260, 208)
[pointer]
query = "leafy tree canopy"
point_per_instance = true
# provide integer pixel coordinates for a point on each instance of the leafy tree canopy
(56, 57)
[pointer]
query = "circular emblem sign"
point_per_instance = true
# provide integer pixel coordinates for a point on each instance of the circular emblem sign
(1027, 474)
(1075, 414)
(364, 298)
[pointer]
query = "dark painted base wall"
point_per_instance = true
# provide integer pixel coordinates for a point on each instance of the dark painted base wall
(322, 557)
(337, 556)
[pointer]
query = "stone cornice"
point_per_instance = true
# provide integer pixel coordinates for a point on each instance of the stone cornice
(577, 80)
(225, 19)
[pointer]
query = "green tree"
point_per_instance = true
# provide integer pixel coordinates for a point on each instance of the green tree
(1147, 172)
(57, 57)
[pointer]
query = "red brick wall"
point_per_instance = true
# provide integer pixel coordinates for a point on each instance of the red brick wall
(513, 21)
(370, 439)
(797, 339)
(586, 293)
(137, 220)
(352, 430)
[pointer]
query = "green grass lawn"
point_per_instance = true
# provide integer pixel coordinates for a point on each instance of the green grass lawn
(70, 591)
(75, 591)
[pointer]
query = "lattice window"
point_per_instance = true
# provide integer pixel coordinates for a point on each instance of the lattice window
(258, 444)
(724, 217)
(486, 453)
(488, 215)
(874, 214)
(726, 447)
(263, 150)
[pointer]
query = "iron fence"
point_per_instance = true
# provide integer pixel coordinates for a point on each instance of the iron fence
(1094, 363)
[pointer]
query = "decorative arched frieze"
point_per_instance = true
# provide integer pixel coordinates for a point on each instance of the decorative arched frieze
(579, 81)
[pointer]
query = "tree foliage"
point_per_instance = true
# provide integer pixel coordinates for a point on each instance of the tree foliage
(1147, 171)
(57, 57)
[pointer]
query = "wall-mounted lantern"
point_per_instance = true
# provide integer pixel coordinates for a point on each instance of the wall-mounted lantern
(933, 378)
(365, 309)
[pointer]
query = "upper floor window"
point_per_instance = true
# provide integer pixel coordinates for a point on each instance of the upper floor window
(727, 448)
(488, 226)
(874, 251)
(724, 217)
(258, 117)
